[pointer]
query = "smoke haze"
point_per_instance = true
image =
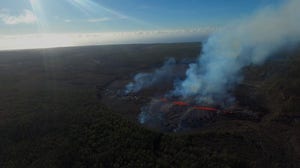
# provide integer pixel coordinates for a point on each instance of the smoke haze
(250, 41)
(145, 80)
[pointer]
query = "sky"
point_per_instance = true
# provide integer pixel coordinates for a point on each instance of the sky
(56, 23)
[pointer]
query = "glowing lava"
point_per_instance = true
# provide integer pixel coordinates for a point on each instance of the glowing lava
(180, 103)
(204, 108)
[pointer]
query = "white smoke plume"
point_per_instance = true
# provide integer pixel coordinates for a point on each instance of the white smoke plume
(145, 80)
(247, 42)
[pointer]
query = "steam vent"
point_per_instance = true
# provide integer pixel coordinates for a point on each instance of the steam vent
(170, 114)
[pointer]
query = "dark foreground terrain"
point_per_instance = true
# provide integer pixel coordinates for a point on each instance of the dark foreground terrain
(52, 112)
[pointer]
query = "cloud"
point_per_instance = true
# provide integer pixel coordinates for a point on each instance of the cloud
(67, 20)
(26, 17)
(11, 42)
(250, 41)
(95, 20)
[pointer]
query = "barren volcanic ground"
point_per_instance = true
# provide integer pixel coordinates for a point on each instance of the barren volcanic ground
(172, 114)
(66, 107)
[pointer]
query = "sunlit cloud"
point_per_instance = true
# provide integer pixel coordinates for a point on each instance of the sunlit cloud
(26, 17)
(104, 19)
(67, 20)
(90, 8)
(38, 11)
(13, 42)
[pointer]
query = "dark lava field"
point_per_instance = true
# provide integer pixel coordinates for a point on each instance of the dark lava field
(65, 107)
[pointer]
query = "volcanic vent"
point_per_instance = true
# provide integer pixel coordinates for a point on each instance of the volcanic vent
(152, 107)
(174, 115)
(208, 91)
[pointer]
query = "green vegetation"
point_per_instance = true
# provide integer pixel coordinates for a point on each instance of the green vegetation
(50, 115)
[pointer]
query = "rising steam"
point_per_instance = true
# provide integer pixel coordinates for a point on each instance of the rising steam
(247, 42)
(145, 80)
(250, 41)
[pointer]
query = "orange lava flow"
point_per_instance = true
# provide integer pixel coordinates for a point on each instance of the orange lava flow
(205, 108)
(180, 103)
